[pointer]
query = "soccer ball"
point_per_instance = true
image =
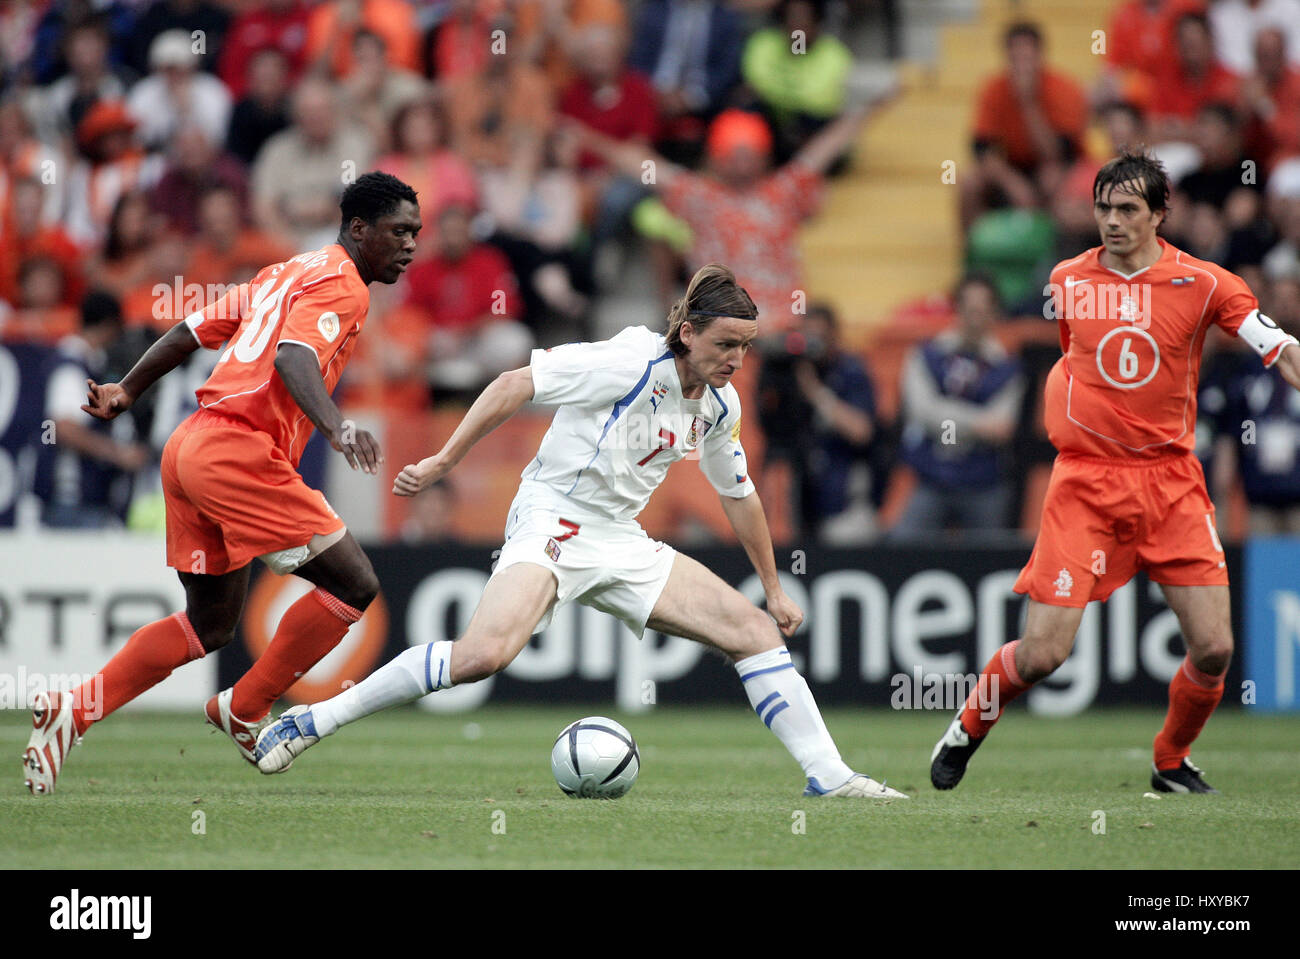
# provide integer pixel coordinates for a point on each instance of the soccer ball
(595, 758)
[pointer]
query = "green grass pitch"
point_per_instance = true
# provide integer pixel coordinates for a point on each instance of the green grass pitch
(411, 789)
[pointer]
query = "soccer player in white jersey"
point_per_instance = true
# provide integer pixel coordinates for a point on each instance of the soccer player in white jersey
(629, 407)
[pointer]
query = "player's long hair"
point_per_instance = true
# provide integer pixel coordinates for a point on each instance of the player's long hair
(1137, 166)
(712, 292)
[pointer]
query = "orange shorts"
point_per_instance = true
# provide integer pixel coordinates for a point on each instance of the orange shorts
(232, 496)
(1103, 520)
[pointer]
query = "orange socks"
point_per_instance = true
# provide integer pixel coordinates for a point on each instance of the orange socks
(1193, 695)
(311, 627)
(148, 658)
(999, 683)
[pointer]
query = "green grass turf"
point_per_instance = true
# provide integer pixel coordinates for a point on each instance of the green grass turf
(410, 789)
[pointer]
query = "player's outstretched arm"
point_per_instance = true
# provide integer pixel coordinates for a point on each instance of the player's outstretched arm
(106, 400)
(750, 523)
(299, 368)
(1288, 364)
(502, 399)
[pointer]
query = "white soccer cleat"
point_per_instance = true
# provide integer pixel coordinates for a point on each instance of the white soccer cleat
(285, 740)
(53, 736)
(244, 735)
(858, 787)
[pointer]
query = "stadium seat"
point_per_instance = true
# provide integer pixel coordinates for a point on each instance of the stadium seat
(1015, 247)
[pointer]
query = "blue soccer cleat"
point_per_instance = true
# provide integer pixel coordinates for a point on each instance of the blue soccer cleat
(285, 740)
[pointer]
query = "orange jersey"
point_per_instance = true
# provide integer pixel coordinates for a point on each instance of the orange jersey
(316, 299)
(1126, 386)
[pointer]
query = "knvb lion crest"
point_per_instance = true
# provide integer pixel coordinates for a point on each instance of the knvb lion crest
(1064, 583)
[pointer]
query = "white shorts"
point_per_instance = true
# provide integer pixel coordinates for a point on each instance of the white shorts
(611, 566)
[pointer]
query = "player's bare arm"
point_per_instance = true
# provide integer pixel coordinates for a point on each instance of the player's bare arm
(750, 523)
(502, 399)
(300, 370)
(1288, 364)
(104, 401)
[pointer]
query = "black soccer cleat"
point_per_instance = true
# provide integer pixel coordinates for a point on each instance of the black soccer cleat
(1181, 779)
(951, 754)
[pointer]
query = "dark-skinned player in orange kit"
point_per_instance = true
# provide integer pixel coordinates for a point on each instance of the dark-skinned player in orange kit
(232, 490)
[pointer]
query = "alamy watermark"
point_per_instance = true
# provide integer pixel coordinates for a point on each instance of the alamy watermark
(18, 690)
(1083, 298)
(945, 691)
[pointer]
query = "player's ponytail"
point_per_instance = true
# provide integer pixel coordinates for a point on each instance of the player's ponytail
(712, 292)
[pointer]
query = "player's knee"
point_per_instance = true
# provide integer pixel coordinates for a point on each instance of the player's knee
(361, 589)
(760, 634)
(752, 633)
(1040, 661)
(1213, 657)
(479, 659)
(213, 636)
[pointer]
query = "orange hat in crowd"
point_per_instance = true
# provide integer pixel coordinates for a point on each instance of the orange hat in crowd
(105, 117)
(733, 129)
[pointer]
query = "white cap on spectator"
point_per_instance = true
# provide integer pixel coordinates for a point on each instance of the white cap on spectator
(172, 48)
(1282, 262)
(1179, 159)
(1284, 181)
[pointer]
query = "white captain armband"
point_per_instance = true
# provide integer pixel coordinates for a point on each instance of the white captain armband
(1264, 336)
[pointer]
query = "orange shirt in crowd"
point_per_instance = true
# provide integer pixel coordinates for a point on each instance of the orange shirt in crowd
(580, 13)
(388, 368)
(48, 241)
(1000, 120)
(528, 102)
(394, 20)
(40, 326)
(1278, 137)
(251, 250)
(1140, 40)
(1175, 94)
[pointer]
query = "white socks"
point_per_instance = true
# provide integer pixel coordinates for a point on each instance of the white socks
(785, 704)
(408, 676)
(777, 692)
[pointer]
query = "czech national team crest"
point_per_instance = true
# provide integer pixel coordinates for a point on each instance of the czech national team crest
(699, 427)
(553, 550)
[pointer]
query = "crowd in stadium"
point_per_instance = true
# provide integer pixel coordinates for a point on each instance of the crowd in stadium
(181, 145)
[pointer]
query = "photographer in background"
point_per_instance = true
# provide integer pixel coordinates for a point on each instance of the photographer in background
(961, 392)
(85, 467)
(1257, 422)
(817, 408)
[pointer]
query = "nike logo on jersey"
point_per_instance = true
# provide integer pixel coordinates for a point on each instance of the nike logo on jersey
(1071, 282)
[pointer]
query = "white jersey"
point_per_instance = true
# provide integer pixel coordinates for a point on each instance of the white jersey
(622, 422)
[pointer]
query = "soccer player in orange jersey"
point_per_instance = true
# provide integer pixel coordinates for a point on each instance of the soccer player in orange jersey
(1126, 492)
(229, 473)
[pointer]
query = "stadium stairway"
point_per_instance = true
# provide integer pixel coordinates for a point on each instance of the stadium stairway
(887, 246)
(888, 232)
